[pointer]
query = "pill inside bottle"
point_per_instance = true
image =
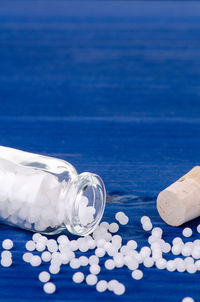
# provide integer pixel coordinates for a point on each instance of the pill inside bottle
(47, 195)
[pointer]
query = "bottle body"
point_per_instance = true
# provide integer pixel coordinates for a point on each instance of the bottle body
(47, 195)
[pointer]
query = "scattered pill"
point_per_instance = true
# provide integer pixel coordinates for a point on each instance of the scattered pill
(49, 288)
(7, 244)
(78, 277)
(44, 277)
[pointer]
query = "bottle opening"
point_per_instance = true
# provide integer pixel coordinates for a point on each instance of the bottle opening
(89, 204)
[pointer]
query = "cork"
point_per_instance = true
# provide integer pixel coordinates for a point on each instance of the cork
(180, 202)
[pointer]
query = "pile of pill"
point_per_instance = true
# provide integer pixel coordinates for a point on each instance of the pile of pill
(108, 246)
(39, 203)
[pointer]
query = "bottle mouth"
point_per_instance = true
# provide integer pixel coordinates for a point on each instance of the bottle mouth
(89, 197)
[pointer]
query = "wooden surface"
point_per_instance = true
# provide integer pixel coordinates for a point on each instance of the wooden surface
(112, 87)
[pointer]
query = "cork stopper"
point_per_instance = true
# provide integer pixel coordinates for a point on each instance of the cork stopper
(180, 202)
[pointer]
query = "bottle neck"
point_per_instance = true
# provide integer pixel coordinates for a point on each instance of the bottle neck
(85, 203)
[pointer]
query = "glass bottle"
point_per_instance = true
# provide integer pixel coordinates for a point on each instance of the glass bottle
(47, 195)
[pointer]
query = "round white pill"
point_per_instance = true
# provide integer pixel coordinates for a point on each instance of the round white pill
(36, 237)
(83, 260)
(35, 260)
(75, 263)
(95, 269)
(49, 288)
(113, 227)
(54, 269)
(6, 262)
(101, 286)
(119, 289)
(137, 274)
(46, 256)
(187, 232)
(100, 252)
(91, 279)
(109, 264)
(44, 276)
(30, 245)
(7, 244)
(78, 277)
(6, 254)
(27, 256)
(188, 299)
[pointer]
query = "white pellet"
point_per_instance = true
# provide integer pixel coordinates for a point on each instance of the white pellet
(93, 260)
(132, 244)
(187, 232)
(36, 237)
(113, 227)
(109, 264)
(40, 246)
(75, 263)
(30, 245)
(7, 244)
(49, 288)
(27, 256)
(73, 245)
(46, 256)
(137, 274)
(6, 254)
(161, 263)
(52, 245)
(157, 232)
(78, 277)
(91, 279)
(35, 260)
(122, 218)
(54, 269)
(147, 226)
(44, 277)
(6, 262)
(171, 266)
(198, 228)
(188, 299)
(145, 219)
(119, 289)
(95, 269)
(62, 239)
(148, 262)
(112, 284)
(100, 252)
(83, 260)
(102, 286)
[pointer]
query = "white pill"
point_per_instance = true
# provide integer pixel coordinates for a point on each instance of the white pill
(40, 246)
(6, 254)
(91, 279)
(7, 244)
(44, 276)
(171, 266)
(75, 263)
(112, 284)
(95, 269)
(62, 239)
(83, 260)
(35, 260)
(145, 219)
(187, 232)
(52, 245)
(73, 245)
(93, 260)
(36, 237)
(119, 289)
(54, 269)
(101, 286)
(147, 226)
(49, 288)
(6, 262)
(148, 262)
(46, 256)
(78, 277)
(132, 244)
(100, 252)
(109, 264)
(161, 263)
(137, 274)
(27, 256)
(122, 218)
(30, 245)
(113, 227)
(198, 228)
(188, 299)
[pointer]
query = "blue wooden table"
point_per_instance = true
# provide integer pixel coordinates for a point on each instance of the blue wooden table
(114, 88)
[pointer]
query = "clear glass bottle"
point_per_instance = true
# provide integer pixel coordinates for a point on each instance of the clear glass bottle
(47, 195)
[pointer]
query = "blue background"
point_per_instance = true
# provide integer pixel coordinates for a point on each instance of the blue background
(114, 88)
